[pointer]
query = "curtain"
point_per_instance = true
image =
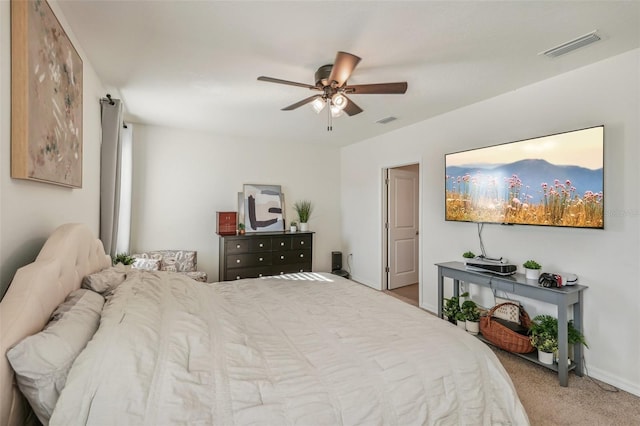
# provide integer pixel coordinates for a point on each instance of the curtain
(115, 215)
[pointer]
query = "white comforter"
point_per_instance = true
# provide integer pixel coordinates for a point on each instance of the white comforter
(272, 351)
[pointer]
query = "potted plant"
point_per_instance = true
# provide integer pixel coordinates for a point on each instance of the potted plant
(241, 229)
(544, 337)
(293, 226)
(452, 308)
(461, 321)
(123, 258)
(532, 269)
(468, 255)
(303, 209)
(471, 316)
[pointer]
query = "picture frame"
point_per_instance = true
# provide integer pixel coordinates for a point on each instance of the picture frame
(262, 208)
(46, 98)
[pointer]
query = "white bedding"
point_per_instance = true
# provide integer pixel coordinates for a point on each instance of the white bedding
(272, 351)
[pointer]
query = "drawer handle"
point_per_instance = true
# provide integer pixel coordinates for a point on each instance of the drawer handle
(261, 259)
(237, 277)
(301, 243)
(281, 257)
(259, 275)
(302, 255)
(281, 273)
(261, 245)
(237, 245)
(237, 260)
(301, 270)
(282, 243)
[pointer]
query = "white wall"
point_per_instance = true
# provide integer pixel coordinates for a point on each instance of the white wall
(181, 178)
(29, 211)
(606, 260)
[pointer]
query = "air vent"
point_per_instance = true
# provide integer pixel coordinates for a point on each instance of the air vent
(386, 120)
(572, 45)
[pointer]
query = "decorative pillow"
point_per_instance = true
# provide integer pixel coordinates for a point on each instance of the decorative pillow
(146, 264)
(507, 312)
(42, 361)
(105, 281)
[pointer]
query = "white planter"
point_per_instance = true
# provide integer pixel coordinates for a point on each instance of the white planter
(462, 324)
(545, 357)
(304, 226)
(293, 229)
(531, 274)
(473, 327)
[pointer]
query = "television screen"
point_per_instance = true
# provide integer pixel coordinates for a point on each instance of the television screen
(554, 180)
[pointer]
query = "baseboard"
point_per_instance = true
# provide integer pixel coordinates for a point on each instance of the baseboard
(619, 382)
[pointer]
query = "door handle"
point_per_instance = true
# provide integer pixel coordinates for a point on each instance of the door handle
(417, 232)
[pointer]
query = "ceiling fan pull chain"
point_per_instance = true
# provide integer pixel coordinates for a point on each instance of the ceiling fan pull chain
(329, 123)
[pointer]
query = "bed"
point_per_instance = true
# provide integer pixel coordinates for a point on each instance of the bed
(303, 349)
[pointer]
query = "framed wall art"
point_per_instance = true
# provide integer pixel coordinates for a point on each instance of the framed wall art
(46, 98)
(263, 207)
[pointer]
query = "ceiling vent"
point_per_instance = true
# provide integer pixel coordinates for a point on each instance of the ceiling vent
(572, 45)
(386, 120)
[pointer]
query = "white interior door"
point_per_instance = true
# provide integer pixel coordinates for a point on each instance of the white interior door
(403, 227)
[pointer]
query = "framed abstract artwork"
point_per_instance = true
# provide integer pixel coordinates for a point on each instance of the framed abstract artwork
(263, 208)
(46, 98)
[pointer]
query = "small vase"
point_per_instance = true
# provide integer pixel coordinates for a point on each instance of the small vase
(304, 226)
(241, 231)
(293, 229)
(462, 324)
(473, 327)
(545, 357)
(531, 274)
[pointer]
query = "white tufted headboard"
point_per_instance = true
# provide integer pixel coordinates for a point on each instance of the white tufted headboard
(70, 253)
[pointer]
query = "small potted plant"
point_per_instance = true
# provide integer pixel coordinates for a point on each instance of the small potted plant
(241, 228)
(303, 209)
(461, 320)
(293, 226)
(452, 308)
(123, 258)
(471, 316)
(468, 255)
(532, 269)
(544, 337)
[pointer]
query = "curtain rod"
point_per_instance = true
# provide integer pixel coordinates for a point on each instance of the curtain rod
(108, 99)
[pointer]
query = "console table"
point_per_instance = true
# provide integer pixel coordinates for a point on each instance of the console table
(517, 284)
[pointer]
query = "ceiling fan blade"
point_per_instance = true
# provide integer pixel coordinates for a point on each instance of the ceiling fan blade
(343, 66)
(352, 108)
(381, 89)
(290, 83)
(300, 103)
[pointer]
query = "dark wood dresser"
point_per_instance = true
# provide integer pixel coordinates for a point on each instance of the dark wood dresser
(265, 253)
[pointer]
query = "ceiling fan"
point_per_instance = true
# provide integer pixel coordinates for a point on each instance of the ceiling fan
(331, 81)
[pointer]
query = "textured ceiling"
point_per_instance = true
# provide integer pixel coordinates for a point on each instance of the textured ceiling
(194, 64)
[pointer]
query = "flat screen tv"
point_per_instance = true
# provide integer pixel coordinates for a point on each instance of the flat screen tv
(554, 180)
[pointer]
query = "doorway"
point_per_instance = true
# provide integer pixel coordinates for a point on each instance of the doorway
(401, 218)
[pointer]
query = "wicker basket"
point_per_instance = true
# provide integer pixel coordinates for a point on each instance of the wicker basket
(504, 337)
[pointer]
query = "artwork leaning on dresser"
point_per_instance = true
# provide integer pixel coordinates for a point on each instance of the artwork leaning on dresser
(264, 254)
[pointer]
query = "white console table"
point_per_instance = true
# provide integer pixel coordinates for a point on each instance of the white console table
(562, 298)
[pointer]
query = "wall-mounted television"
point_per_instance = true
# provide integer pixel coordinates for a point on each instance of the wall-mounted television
(554, 180)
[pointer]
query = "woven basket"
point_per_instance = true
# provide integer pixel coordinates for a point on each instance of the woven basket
(502, 336)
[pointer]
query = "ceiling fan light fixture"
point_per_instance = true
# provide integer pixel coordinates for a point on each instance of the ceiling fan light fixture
(336, 111)
(318, 105)
(339, 101)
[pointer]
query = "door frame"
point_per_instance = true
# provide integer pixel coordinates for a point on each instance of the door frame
(384, 232)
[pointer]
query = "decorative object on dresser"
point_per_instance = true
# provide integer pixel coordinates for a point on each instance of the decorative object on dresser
(46, 98)
(181, 261)
(293, 227)
(263, 208)
(303, 209)
(264, 254)
(226, 223)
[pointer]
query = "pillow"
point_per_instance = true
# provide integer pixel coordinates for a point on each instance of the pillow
(105, 281)
(146, 264)
(42, 361)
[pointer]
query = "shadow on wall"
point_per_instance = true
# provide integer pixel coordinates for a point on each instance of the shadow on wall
(21, 256)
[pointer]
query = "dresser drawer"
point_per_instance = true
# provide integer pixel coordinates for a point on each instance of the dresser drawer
(248, 259)
(281, 243)
(301, 241)
(236, 246)
(291, 268)
(240, 273)
(292, 256)
(260, 244)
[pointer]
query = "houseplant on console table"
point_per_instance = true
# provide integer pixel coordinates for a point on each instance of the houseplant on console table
(544, 337)
(532, 269)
